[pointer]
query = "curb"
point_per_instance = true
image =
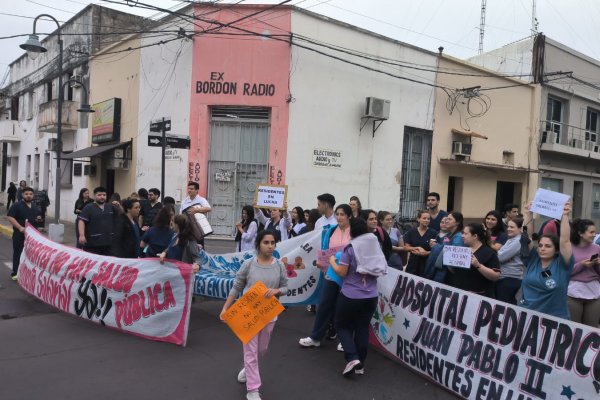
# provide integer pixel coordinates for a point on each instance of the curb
(6, 231)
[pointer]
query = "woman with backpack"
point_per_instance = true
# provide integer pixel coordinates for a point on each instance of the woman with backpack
(246, 230)
(546, 279)
(511, 263)
(361, 262)
(266, 269)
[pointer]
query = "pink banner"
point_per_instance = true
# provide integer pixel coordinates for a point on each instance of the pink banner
(137, 296)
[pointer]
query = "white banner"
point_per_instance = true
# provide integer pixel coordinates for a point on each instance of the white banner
(299, 254)
(137, 296)
(480, 348)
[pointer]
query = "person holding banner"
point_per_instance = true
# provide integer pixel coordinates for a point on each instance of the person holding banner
(334, 238)
(272, 272)
(126, 242)
(584, 287)
(357, 300)
(183, 246)
(246, 230)
(485, 266)
(546, 279)
(20, 213)
(417, 243)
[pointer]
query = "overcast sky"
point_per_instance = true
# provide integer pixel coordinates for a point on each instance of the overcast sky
(453, 24)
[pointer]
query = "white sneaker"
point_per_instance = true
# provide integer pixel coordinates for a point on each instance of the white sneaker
(308, 342)
(359, 371)
(253, 395)
(242, 376)
(350, 367)
(340, 347)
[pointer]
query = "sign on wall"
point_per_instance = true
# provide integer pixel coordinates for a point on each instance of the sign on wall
(106, 122)
(326, 158)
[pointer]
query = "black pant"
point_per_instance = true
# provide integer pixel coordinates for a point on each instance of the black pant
(352, 320)
(506, 289)
(18, 240)
(325, 310)
(101, 250)
(11, 199)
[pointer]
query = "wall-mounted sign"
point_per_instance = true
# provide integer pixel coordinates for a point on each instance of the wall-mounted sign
(327, 158)
(218, 85)
(106, 123)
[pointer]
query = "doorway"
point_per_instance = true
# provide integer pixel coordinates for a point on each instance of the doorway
(577, 199)
(507, 193)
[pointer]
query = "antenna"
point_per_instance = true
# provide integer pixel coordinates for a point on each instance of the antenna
(482, 26)
(534, 21)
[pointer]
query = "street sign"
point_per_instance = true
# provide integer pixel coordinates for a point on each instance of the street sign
(173, 141)
(157, 126)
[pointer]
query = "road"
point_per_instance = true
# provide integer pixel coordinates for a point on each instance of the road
(45, 354)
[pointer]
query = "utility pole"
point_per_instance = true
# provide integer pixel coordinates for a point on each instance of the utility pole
(534, 21)
(482, 26)
(164, 148)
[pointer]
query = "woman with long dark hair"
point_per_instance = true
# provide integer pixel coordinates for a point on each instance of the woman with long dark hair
(495, 229)
(434, 267)
(126, 241)
(584, 286)
(356, 206)
(485, 266)
(417, 243)
(156, 239)
(549, 267)
(183, 246)
(83, 200)
(267, 269)
(298, 222)
(246, 230)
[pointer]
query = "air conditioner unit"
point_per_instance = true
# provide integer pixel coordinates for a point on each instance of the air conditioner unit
(51, 144)
(377, 108)
(577, 143)
(461, 149)
(75, 81)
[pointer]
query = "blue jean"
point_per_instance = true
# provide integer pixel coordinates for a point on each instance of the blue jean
(352, 320)
(325, 310)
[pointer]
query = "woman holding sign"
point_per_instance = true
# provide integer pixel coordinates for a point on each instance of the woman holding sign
(266, 269)
(584, 287)
(549, 268)
(485, 266)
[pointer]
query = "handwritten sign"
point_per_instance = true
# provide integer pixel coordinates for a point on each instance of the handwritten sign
(270, 196)
(323, 256)
(252, 312)
(457, 256)
(549, 203)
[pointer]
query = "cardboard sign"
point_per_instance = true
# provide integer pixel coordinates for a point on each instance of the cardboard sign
(252, 312)
(270, 196)
(457, 256)
(549, 203)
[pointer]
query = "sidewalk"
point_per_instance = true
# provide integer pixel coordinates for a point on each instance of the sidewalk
(213, 245)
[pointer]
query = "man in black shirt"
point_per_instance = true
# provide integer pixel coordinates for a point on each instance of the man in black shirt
(97, 224)
(150, 209)
(21, 212)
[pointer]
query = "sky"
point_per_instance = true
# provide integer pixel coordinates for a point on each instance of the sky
(453, 24)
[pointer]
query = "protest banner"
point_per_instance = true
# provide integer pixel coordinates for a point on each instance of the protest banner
(270, 196)
(457, 256)
(299, 255)
(252, 312)
(549, 203)
(137, 296)
(479, 348)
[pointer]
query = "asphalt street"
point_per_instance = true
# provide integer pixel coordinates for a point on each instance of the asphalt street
(46, 354)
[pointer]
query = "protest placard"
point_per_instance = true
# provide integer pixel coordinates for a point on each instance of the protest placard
(457, 256)
(549, 203)
(252, 312)
(270, 196)
(323, 256)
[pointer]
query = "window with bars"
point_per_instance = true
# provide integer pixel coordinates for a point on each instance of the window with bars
(416, 167)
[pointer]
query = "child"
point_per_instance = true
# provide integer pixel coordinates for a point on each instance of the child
(272, 272)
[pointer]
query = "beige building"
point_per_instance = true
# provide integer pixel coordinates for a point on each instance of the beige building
(484, 152)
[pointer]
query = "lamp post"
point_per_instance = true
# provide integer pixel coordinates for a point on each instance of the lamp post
(33, 48)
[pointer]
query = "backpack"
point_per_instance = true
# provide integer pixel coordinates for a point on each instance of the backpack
(369, 259)
(525, 251)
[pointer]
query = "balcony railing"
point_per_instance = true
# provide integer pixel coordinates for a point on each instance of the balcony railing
(10, 131)
(48, 117)
(559, 137)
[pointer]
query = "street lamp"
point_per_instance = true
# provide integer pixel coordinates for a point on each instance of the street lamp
(33, 48)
